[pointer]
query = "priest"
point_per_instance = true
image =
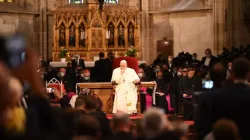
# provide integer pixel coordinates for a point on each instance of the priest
(126, 91)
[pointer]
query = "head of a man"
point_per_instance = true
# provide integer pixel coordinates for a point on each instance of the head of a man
(170, 58)
(164, 67)
(123, 64)
(184, 72)
(208, 52)
(194, 56)
(218, 74)
(179, 72)
(90, 104)
(62, 72)
(159, 74)
(241, 69)
(191, 72)
(154, 122)
(79, 104)
(121, 122)
(101, 55)
(86, 74)
(229, 65)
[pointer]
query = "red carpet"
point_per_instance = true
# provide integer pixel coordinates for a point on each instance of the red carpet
(137, 117)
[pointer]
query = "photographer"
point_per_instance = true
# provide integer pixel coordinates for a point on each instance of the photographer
(56, 99)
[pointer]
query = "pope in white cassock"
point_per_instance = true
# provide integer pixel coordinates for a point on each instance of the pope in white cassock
(126, 90)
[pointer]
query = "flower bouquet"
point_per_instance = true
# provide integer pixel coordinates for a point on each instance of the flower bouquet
(132, 52)
(63, 54)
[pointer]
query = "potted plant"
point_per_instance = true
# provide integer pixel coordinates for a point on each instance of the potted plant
(132, 52)
(63, 54)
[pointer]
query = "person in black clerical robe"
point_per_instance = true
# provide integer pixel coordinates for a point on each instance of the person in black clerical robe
(66, 80)
(189, 85)
(101, 70)
(176, 85)
(78, 62)
(161, 92)
(109, 62)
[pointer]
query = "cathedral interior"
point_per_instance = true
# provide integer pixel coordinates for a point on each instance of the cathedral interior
(85, 28)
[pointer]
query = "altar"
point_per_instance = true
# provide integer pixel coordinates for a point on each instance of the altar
(105, 92)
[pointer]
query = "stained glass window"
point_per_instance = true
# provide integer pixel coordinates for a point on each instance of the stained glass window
(76, 1)
(111, 1)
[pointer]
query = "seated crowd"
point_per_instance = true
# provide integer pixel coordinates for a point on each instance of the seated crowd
(219, 113)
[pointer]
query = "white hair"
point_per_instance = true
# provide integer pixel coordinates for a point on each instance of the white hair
(123, 62)
(154, 122)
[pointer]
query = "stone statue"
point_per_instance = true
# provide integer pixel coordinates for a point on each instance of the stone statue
(62, 36)
(82, 36)
(121, 41)
(131, 40)
(111, 35)
(72, 36)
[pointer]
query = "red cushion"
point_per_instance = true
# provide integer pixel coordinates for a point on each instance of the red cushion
(131, 61)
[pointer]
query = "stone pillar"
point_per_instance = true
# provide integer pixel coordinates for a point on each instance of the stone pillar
(43, 29)
(219, 25)
(145, 32)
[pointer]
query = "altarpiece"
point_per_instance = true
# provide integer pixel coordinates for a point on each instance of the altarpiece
(85, 30)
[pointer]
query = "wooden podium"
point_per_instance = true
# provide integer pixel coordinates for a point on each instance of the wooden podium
(105, 92)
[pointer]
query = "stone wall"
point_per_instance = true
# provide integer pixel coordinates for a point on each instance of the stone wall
(193, 31)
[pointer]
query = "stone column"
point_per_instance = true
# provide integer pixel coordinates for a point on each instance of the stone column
(43, 28)
(145, 32)
(219, 25)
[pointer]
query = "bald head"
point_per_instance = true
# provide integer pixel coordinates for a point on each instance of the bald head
(123, 64)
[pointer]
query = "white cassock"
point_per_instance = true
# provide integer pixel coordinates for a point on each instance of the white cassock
(126, 91)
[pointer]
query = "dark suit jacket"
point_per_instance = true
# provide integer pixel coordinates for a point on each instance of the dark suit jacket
(101, 71)
(212, 61)
(230, 102)
(81, 63)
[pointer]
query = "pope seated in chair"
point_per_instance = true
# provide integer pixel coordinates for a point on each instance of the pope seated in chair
(126, 90)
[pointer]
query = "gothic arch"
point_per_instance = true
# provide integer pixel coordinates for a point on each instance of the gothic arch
(82, 21)
(96, 22)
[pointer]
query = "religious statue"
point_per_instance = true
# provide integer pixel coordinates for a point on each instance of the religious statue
(111, 35)
(82, 36)
(62, 36)
(126, 89)
(131, 40)
(121, 41)
(72, 36)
